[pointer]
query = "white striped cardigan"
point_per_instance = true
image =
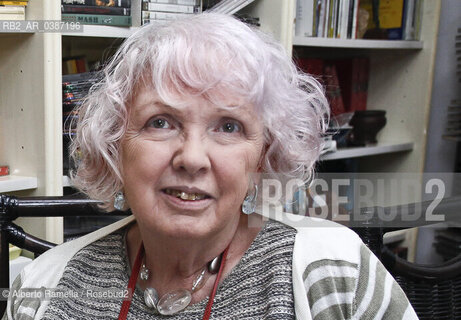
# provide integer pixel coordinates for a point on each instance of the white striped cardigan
(335, 276)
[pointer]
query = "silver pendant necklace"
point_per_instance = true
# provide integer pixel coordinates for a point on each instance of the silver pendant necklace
(177, 300)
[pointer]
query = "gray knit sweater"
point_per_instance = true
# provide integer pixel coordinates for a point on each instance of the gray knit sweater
(259, 287)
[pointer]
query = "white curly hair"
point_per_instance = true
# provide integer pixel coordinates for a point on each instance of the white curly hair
(205, 54)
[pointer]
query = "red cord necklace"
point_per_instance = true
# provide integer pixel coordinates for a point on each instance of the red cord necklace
(134, 277)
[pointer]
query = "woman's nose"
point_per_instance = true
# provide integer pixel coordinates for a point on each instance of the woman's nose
(192, 156)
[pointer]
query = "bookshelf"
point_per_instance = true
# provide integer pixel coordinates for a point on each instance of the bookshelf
(401, 74)
(30, 114)
(31, 110)
(400, 82)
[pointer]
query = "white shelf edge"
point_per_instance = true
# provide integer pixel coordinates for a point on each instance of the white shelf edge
(356, 43)
(103, 31)
(379, 148)
(16, 183)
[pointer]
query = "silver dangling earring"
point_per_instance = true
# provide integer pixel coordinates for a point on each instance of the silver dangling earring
(119, 201)
(249, 203)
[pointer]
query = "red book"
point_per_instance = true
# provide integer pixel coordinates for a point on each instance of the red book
(348, 71)
(4, 171)
(311, 66)
(363, 83)
(333, 90)
(81, 65)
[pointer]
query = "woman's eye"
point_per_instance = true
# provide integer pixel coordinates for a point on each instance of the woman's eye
(230, 127)
(159, 123)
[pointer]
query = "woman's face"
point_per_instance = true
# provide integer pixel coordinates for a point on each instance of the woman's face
(186, 170)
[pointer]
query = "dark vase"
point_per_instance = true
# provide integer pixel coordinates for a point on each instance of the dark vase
(366, 124)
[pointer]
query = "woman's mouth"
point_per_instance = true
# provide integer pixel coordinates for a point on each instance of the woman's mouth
(185, 195)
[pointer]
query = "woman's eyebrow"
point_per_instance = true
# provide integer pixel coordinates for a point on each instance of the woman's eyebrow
(235, 110)
(146, 107)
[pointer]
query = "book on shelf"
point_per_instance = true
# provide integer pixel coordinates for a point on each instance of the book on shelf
(164, 7)
(155, 15)
(343, 18)
(364, 76)
(321, 10)
(4, 170)
(13, 3)
(71, 65)
(12, 10)
(117, 11)
(418, 16)
(101, 3)
(408, 19)
(97, 19)
(311, 66)
(352, 19)
(332, 18)
(353, 80)
(12, 16)
(181, 2)
(75, 87)
(391, 18)
(304, 19)
(333, 90)
(229, 6)
(345, 81)
(412, 18)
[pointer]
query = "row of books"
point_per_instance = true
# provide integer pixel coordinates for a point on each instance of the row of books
(164, 10)
(345, 81)
(13, 10)
(118, 12)
(72, 65)
(75, 88)
(100, 12)
(229, 6)
(357, 19)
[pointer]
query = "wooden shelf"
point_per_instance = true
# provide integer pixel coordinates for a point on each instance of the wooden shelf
(379, 148)
(14, 34)
(103, 31)
(356, 43)
(16, 183)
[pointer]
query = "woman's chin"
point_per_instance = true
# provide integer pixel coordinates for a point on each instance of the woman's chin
(181, 225)
(189, 230)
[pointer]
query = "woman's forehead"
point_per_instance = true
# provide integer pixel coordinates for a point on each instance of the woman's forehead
(219, 99)
(147, 99)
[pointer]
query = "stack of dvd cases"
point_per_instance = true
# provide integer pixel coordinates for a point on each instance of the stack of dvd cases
(75, 88)
(13, 10)
(100, 12)
(164, 10)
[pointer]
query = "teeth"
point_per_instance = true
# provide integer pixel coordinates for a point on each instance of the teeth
(184, 195)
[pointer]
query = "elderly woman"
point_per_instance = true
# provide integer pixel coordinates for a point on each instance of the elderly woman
(187, 116)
